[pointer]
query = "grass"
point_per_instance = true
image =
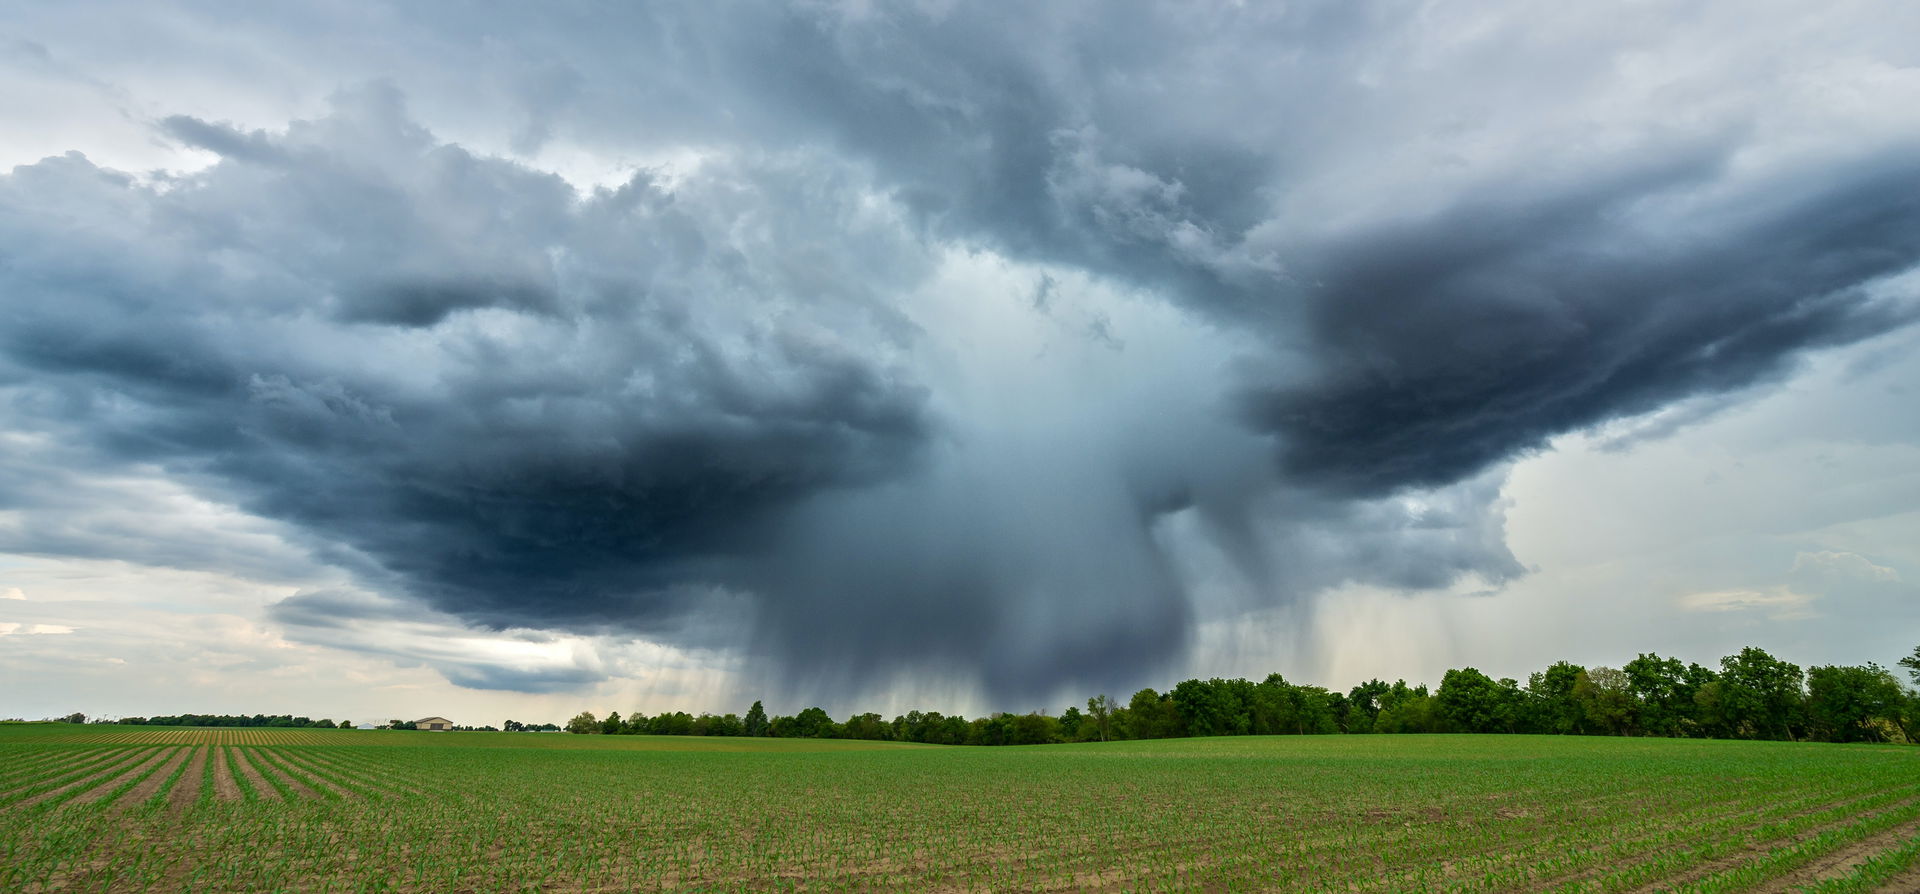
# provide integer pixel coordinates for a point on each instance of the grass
(412, 811)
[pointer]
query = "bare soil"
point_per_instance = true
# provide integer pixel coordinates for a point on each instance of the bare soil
(107, 786)
(1842, 862)
(150, 786)
(314, 778)
(112, 769)
(225, 788)
(188, 789)
(1905, 883)
(258, 783)
(64, 765)
(300, 787)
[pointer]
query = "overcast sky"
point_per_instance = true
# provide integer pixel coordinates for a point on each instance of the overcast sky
(495, 360)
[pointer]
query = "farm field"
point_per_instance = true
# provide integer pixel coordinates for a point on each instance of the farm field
(105, 808)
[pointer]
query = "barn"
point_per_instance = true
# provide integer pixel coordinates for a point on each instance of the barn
(434, 723)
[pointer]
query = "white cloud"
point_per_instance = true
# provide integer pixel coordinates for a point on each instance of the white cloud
(1843, 563)
(15, 628)
(13, 593)
(1779, 604)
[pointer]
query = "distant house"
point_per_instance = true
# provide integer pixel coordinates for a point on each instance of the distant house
(434, 723)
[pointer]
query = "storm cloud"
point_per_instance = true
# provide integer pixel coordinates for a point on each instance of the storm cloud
(933, 344)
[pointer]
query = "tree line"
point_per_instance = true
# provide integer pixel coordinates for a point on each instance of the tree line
(273, 720)
(1751, 695)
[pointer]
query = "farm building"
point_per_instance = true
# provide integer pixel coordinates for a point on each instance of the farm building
(434, 723)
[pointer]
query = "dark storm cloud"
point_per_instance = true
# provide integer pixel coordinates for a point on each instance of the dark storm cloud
(1454, 342)
(530, 407)
(1161, 145)
(1405, 249)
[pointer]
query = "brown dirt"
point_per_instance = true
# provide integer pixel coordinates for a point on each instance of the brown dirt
(1752, 853)
(300, 787)
(22, 773)
(113, 768)
(150, 786)
(187, 790)
(316, 779)
(225, 788)
(63, 765)
(107, 786)
(257, 782)
(1905, 883)
(1842, 862)
(368, 777)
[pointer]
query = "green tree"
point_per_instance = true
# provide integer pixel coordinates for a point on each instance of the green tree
(1606, 701)
(1552, 692)
(756, 722)
(1151, 716)
(1470, 702)
(866, 726)
(813, 723)
(1070, 721)
(1100, 711)
(1273, 710)
(582, 723)
(1762, 696)
(613, 725)
(1912, 664)
(1033, 729)
(1665, 693)
(1854, 704)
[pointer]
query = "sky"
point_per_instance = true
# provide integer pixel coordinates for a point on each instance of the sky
(485, 360)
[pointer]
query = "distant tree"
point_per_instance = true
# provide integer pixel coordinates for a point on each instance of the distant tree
(75, 717)
(323, 723)
(1855, 704)
(1271, 711)
(1606, 701)
(1070, 721)
(1363, 706)
(726, 725)
(1664, 692)
(512, 726)
(1033, 729)
(756, 722)
(1762, 696)
(612, 725)
(1558, 712)
(813, 723)
(1470, 702)
(866, 726)
(396, 724)
(583, 723)
(1912, 664)
(1151, 715)
(1100, 711)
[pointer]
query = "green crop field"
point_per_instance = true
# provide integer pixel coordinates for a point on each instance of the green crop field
(128, 809)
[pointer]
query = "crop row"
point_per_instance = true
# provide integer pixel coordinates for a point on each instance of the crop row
(1453, 814)
(135, 735)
